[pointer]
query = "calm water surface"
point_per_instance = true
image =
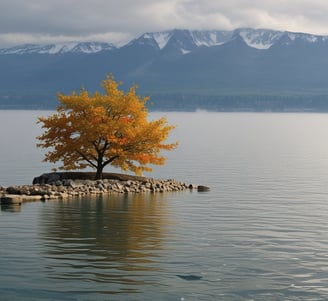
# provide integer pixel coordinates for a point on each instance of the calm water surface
(261, 233)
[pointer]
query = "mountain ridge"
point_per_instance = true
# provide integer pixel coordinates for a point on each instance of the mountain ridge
(244, 69)
(256, 38)
(58, 48)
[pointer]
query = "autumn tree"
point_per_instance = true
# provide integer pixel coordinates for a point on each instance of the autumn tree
(96, 130)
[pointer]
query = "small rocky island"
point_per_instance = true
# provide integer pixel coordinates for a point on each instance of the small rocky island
(61, 185)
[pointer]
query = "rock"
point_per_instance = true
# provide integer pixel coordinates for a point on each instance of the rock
(68, 182)
(13, 190)
(202, 188)
(63, 195)
(50, 178)
(10, 199)
(190, 277)
(56, 186)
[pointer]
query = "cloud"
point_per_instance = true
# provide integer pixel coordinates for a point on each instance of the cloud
(119, 21)
(118, 39)
(293, 15)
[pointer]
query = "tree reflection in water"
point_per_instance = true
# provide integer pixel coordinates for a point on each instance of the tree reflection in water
(106, 239)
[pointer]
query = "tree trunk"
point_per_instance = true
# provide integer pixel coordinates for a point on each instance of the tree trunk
(99, 173)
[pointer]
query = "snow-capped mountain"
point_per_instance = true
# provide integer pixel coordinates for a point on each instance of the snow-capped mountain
(60, 48)
(259, 38)
(187, 40)
(194, 38)
(184, 41)
(174, 62)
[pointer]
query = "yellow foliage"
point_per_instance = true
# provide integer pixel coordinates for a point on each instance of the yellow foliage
(101, 129)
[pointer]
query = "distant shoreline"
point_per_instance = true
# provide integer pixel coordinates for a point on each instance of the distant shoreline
(188, 102)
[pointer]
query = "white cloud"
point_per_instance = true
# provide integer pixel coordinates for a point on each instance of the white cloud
(117, 39)
(292, 15)
(113, 21)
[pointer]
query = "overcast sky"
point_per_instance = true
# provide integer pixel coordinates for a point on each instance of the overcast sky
(118, 21)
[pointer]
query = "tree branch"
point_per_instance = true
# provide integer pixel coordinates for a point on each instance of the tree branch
(110, 160)
(86, 158)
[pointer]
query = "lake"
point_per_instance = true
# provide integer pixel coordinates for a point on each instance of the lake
(260, 233)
